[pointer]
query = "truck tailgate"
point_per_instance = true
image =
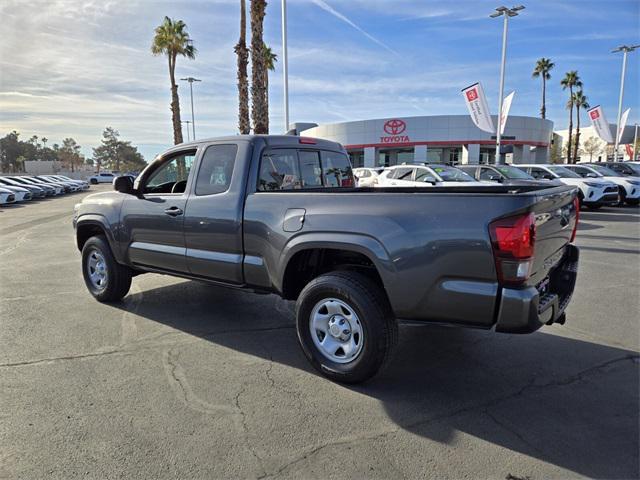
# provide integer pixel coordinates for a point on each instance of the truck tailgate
(555, 219)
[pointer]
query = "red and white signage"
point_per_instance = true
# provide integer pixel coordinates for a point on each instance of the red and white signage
(600, 124)
(394, 129)
(478, 108)
(506, 106)
(623, 122)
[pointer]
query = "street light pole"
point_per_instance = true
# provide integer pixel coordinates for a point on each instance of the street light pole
(193, 120)
(506, 12)
(187, 122)
(285, 66)
(624, 49)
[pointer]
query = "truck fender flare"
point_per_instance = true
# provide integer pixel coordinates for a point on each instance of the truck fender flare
(354, 242)
(97, 220)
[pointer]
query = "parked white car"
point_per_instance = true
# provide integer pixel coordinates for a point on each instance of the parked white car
(367, 177)
(628, 187)
(84, 185)
(20, 194)
(593, 192)
(102, 177)
(426, 175)
(6, 197)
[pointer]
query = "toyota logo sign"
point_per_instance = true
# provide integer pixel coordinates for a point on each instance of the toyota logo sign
(394, 127)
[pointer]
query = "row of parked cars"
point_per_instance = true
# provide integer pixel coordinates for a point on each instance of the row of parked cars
(599, 184)
(14, 189)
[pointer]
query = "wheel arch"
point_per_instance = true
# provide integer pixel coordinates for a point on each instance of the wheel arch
(88, 226)
(308, 256)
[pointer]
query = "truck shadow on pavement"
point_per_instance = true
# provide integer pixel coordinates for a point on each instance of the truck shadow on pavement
(569, 402)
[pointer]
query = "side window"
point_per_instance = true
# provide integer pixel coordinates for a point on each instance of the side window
(537, 173)
(171, 177)
(403, 173)
(310, 171)
(423, 175)
(583, 172)
(279, 171)
(336, 170)
(488, 174)
(214, 174)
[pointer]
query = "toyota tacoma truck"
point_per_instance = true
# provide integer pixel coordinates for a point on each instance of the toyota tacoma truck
(281, 214)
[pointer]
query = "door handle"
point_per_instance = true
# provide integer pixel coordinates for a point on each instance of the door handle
(173, 211)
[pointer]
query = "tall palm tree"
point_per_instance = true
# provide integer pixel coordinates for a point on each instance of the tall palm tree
(243, 80)
(259, 114)
(171, 39)
(543, 67)
(580, 100)
(270, 60)
(570, 80)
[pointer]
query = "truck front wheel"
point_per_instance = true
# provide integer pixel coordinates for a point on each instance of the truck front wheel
(345, 326)
(106, 279)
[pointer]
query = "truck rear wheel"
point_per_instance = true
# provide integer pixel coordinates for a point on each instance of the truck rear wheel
(106, 279)
(345, 326)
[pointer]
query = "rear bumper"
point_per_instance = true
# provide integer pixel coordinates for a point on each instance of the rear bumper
(526, 310)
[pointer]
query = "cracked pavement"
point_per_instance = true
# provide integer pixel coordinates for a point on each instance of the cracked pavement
(186, 380)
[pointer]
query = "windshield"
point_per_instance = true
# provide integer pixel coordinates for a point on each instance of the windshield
(513, 172)
(563, 172)
(450, 174)
(607, 172)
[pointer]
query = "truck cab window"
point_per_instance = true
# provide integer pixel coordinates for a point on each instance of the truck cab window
(336, 170)
(214, 175)
(171, 177)
(279, 171)
(310, 170)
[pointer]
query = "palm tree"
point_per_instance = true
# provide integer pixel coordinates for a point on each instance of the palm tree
(44, 141)
(570, 80)
(259, 114)
(270, 60)
(171, 39)
(543, 67)
(580, 101)
(243, 81)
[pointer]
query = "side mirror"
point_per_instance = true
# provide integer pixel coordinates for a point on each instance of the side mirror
(591, 175)
(123, 184)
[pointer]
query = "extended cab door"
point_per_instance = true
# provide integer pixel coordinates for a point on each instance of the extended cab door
(213, 217)
(153, 221)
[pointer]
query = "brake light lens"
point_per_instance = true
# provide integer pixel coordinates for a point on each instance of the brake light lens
(307, 141)
(513, 241)
(576, 206)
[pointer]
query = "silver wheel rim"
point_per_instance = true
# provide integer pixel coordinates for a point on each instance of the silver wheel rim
(97, 270)
(336, 330)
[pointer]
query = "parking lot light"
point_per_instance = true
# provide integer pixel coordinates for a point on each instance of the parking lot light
(506, 13)
(624, 49)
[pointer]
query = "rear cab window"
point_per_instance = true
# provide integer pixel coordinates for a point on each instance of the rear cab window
(294, 169)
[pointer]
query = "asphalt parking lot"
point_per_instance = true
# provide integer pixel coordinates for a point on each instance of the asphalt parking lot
(185, 380)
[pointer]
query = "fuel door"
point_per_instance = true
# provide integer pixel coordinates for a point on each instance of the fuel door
(293, 219)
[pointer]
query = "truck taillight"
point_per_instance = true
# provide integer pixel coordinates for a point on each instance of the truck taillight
(576, 205)
(513, 240)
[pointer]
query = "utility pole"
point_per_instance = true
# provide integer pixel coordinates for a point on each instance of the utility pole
(193, 120)
(285, 66)
(624, 49)
(506, 12)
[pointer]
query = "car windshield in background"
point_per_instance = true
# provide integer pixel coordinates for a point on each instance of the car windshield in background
(513, 172)
(607, 172)
(563, 172)
(450, 174)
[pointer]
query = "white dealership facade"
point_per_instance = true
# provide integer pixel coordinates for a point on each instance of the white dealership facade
(435, 139)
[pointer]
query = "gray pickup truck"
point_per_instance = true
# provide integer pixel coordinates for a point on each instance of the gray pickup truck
(280, 214)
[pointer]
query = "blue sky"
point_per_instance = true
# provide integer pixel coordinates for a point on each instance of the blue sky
(73, 67)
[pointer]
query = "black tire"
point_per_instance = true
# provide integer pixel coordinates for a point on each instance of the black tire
(369, 302)
(623, 198)
(118, 278)
(93, 181)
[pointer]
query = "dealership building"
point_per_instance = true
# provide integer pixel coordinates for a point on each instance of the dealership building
(435, 139)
